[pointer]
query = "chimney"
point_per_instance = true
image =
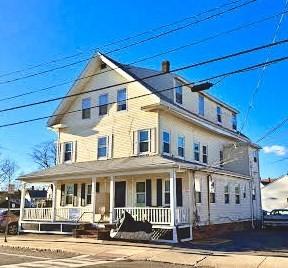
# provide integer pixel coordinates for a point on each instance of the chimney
(165, 66)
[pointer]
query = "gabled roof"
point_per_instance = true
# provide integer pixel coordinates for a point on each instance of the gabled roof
(154, 84)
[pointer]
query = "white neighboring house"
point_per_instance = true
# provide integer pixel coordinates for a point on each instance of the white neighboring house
(35, 197)
(275, 194)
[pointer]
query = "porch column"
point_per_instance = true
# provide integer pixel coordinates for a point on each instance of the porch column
(173, 196)
(22, 205)
(54, 201)
(112, 193)
(93, 196)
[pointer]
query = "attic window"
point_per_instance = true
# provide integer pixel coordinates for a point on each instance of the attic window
(103, 65)
(178, 92)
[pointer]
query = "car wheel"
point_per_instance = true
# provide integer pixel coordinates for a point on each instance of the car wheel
(12, 229)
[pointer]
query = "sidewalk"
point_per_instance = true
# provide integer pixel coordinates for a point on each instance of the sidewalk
(142, 252)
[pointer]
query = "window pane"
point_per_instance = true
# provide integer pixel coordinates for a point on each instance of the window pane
(167, 186)
(89, 189)
(179, 94)
(69, 189)
(86, 107)
(103, 99)
(102, 152)
(140, 198)
(102, 141)
(144, 147)
(144, 135)
(166, 148)
(167, 198)
(140, 187)
(166, 137)
(219, 114)
(121, 99)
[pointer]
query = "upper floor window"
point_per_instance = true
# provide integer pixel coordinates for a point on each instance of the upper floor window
(196, 148)
(198, 190)
(103, 104)
(102, 150)
(237, 194)
(253, 192)
(144, 141)
(205, 154)
(166, 142)
(178, 92)
(212, 197)
(234, 121)
(121, 99)
(201, 105)
(226, 194)
(68, 151)
(219, 114)
(86, 108)
(181, 143)
(221, 158)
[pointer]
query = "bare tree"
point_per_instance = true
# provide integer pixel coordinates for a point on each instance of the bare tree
(44, 154)
(7, 170)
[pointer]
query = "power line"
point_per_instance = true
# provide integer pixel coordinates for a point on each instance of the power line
(242, 52)
(130, 45)
(243, 70)
(211, 37)
(124, 39)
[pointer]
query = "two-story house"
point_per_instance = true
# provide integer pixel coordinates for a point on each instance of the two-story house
(143, 141)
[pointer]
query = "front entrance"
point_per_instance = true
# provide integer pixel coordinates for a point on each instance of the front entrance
(120, 194)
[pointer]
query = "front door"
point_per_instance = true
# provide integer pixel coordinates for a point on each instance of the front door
(120, 194)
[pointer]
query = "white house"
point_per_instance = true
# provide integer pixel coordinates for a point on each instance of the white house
(143, 141)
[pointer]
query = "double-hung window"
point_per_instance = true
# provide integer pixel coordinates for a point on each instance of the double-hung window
(253, 192)
(237, 194)
(140, 193)
(69, 193)
(102, 150)
(196, 149)
(167, 192)
(221, 158)
(212, 194)
(178, 92)
(68, 151)
(144, 141)
(234, 121)
(219, 114)
(166, 142)
(89, 194)
(181, 148)
(226, 194)
(103, 104)
(198, 190)
(86, 108)
(205, 154)
(201, 105)
(121, 99)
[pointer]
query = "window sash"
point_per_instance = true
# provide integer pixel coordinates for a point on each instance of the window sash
(68, 151)
(167, 192)
(144, 141)
(196, 151)
(234, 121)
(141, 193)
(166, 142)
(201, 105)
(89, 194)
(179, 93)
(103, 104)
(219, 114)
(86, 108)
(181, 148)
(205, 154)
(102, 150)
(221, 159)
(69, 194)
(121, 100)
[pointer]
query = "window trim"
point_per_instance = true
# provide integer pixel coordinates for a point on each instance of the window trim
(107, 148)
(181, 136)
(101, 105)
(118, 102)
(168, 132)
(149, 141)
(64, 151)
(84, 109)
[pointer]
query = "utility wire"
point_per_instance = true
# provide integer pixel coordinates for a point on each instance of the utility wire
(242, 52)
(130, 45)
(243, 70)
(211, 37)
(115, 42)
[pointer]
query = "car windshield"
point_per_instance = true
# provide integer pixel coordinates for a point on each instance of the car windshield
(279, 212)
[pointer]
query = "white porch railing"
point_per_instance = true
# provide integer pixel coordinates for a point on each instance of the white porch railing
(153, 215)
(39, 214)
(182, 215)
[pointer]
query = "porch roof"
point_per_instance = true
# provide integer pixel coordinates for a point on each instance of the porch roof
(120, 166)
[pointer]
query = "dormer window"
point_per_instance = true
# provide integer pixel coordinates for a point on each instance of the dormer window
(234, 121)
(178, 92)
(86, 108)
(219, 114)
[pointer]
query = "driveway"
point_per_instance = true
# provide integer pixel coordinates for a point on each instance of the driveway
(268, 242)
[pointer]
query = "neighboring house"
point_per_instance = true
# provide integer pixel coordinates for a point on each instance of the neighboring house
(265, 182)
(14, 199)
(275, 194)
(35, 197)
(174, 157)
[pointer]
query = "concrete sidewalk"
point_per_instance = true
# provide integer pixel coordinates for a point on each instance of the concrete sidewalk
(142, 252)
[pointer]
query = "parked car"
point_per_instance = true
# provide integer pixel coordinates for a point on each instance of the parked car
(11, 219)
(277, 217)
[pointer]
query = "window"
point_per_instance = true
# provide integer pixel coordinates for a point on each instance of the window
(69, 194)
(178, 92)
(255, 156)
(219, 114)
(166, 142)
(201, 105)
(226, 194)
(253, 193)
(196, 151)
(221, 163)
(121, 100)
(102, 150)
(237, 194)
(167, 192)
(198, 190)
(144, 141)
(212, 197)
(181, 141)
(205, 154)
(86, 108)
(234, 121)
(245, 191)
(103, 104)
(140, 193)
(68, 151)
(89, 194)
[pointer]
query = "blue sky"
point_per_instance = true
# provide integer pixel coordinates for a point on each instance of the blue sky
(37, 31)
